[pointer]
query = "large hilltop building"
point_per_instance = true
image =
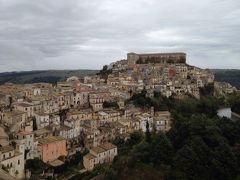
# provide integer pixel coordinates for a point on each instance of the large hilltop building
(162, 58)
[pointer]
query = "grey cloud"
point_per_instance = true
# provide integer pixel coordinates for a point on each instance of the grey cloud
(88, 34)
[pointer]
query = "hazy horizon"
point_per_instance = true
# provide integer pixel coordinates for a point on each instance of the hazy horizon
(89, 70)
(37, 35)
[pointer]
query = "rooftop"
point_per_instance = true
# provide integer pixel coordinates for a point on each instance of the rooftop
(41, 131)
(14, 113)
(108, 146)
(82, 111)
(56, 163)
(25, 133)
(24, 104)
(154, 54)
(64, 128)
(162, 113)
(5, 176)
(98, 150)
(89, 156)
(50, 139)
(5, 149)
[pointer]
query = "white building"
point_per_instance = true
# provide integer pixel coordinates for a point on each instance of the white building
(12, 161)
(143, 119)
(103, 153)
(42, 120)
(26, 139)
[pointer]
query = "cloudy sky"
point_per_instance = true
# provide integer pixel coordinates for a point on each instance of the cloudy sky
(86, 34)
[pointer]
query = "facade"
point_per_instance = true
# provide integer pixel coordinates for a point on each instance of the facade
(80, 98)
(96, 100)
(12, 161)
(144, 119)
(26, 107)
(14, 119)
(42, 120)
(162, 58)
(223, 89)
(51, 148)
(26, 139)
(162, 121)
(67, 132)
(103, 153)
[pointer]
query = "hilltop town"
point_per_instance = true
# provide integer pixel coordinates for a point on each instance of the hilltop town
(55, 122)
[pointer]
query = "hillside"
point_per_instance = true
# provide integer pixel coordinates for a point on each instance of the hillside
(231, 76)
(53, 76)
(49, 76)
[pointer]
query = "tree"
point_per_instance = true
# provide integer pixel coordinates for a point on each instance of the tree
(108, 104)
(135, 138)
(230, 130)
(63, 114)
(235, 104)
(208, 105)
(207, 90)
(224, 164)
(34, 123)
(82, 139)
(142, 152)
(104, 72)
(130, 92)
(148, 134)
(36, 166)
(10, 102)
(162, 150)
(192, 160)
(78, 157)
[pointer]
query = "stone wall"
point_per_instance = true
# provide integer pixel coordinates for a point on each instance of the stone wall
(158, 58)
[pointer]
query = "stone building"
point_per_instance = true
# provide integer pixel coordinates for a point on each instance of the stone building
(12, 161)
(162, 121)
(13, 119)
(223, 88)
(51, 148)
(104, 153)
(26, 139)
(163, 58)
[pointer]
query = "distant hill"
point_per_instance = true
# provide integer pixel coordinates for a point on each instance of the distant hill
(231, 76)
(48, 76)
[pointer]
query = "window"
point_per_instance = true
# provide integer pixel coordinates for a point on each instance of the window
(18, 162)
